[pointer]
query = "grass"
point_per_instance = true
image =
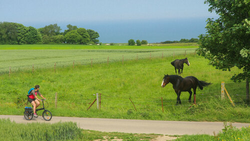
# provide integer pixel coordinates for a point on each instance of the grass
(20, 59)
(69, 131)
(138, 80)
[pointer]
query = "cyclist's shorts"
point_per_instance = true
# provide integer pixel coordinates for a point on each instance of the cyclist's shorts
(30, 100)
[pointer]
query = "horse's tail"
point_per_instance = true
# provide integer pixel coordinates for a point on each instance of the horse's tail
(202, 84)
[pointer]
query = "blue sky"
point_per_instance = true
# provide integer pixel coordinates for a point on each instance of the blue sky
(115, 20)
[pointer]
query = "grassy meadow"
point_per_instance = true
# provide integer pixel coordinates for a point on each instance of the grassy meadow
(120, 81)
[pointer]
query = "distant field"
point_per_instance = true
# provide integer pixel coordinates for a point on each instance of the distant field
(14, 57)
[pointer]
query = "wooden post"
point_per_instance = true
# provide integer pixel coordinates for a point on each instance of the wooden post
(222, 90)
(162, 104)
(56, 100)
(100, 101)
(97, 101)
(91, 104)
(229, 96)
(247, 90)
(133, 104)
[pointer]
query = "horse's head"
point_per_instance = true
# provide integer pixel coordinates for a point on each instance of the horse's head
(165, 80)
(186, 61)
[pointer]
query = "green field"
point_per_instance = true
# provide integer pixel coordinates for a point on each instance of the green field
(121, 75)
(15, 57)
(121, 82)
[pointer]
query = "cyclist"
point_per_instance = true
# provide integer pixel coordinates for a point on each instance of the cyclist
(33, 99)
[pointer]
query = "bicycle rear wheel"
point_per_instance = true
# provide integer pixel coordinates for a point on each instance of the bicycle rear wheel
(28, 115)
(47, 115)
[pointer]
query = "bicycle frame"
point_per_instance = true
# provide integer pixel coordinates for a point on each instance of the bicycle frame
(41, 108)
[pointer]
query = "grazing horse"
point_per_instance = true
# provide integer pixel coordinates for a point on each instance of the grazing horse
(184, 84)
(178, 64)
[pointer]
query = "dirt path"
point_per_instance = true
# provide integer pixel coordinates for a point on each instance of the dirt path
(136, 126)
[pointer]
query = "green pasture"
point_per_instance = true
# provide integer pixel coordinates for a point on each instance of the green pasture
(122, 83)
(14, 58)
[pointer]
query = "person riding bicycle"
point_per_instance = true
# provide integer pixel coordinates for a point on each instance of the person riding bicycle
(33, 99)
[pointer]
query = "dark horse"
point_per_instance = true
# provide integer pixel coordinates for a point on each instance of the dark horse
(184, 84)
(178, 64)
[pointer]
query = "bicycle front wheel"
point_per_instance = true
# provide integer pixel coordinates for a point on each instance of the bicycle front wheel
(47, 115)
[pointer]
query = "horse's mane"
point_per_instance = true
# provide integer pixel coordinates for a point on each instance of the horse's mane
(173, 77)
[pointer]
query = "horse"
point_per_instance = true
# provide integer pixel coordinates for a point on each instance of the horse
(178, 64)
(184, 84)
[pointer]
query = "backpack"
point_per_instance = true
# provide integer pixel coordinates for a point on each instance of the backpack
(30, 90)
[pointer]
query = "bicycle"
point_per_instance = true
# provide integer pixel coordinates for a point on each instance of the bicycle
(28, 113)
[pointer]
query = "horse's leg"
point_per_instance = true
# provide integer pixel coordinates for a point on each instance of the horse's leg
(179, 97)
(194, 95)
(178, 92)
(175, 70)
(177, 100)
(190, 95)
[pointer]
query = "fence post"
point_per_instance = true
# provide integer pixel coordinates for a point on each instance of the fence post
(97, 101)
(100, 101)
(162, 104)
(56, 100)
(133, 104)
(222, 90)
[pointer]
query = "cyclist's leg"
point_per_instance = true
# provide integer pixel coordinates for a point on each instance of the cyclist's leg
(34, 106)
(37, 103)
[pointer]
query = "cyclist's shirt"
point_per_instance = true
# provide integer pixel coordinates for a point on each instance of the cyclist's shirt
(33, 93)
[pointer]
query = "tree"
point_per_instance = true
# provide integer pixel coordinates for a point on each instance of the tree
(50, 30)
(226, 43)
(93, 36)
(84, 35)
(70, 28)
(131, 42)
(73, 37)
(32, 36)
(138, 42)
(144, 42)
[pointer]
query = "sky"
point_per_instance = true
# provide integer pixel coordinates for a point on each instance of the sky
(116, 21)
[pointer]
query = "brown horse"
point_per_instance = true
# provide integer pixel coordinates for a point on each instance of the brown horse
(184, 84)
(178, 64)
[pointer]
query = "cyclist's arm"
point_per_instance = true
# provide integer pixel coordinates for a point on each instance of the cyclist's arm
(41, 95)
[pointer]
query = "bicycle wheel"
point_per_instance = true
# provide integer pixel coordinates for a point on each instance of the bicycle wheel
(47, 115)
(28, 115)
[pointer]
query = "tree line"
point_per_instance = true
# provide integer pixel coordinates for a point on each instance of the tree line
(16, 33)
(192, 40)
